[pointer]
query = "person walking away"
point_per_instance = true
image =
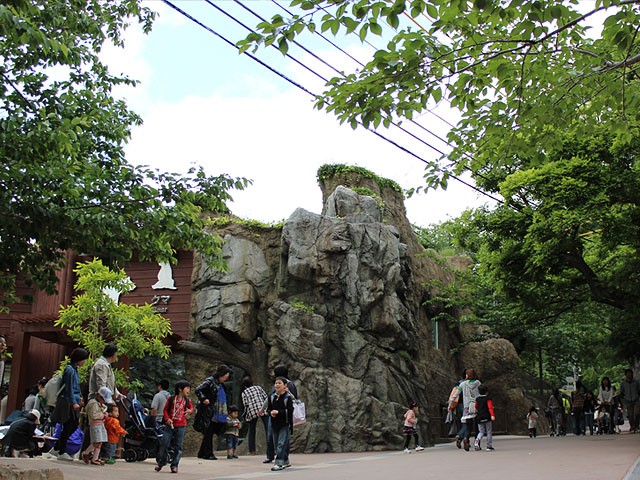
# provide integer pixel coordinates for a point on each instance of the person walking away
(232, 432)
(159, 401)
(213, 400)
(409, 427)
(280, 408)
(485, 418)
(253, 399)
(96, 415)
(532, 421)
(578, 396)
(555, 403)
(279, 371)
(176, 412)
(469, 391)
(68, 403)
(630, 398)
(588, 410)
(114, 432)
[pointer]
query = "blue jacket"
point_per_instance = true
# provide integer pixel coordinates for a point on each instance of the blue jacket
(71, 380)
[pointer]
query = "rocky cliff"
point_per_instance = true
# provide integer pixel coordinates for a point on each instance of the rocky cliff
(340, 299)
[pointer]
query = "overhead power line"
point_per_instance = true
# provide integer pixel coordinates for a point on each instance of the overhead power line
(293, 82)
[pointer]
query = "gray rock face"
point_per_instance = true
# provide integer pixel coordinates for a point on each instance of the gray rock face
(339, 299)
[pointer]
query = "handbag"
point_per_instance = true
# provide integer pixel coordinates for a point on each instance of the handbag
(299, 412)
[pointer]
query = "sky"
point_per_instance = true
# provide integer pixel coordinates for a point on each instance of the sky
(203, 103)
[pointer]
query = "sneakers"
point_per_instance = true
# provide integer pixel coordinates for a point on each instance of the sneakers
(157, 468)
(267, 460)
(277, 468)
(174, 469)
(476, 446)
(66, 457)
(287, 465)
(51, 454)
(466, 444)
(110, 461)
(406, 450)
(419, 448)
(229, 457)
(459, 442)
(490, 449)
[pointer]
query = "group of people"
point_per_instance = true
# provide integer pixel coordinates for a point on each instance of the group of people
(275, 411)
(169, 412)
(601, 413)
(470, 404)
(102, 428)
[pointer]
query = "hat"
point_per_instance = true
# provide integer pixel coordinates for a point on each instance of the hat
(35, 413)
(105, 392)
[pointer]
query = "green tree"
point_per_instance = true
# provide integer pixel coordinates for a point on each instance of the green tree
(549, 119)
(94, 319)
(64, 180)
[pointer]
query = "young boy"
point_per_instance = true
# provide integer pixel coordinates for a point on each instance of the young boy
(114, 431)
(485, 418)
(176, 411)
(280, 409)
(232, 432)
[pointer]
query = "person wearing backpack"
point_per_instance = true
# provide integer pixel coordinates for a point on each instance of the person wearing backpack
(280, 410)
(69, 402)
(278, 371)
(176, 411)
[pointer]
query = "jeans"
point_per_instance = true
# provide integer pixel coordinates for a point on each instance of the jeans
(175, 434)
(252, 432)
(109, 450)
(588, 421)
(281, 437)
(232, 441)
(485, 428)
(578, 422)
(467, 426)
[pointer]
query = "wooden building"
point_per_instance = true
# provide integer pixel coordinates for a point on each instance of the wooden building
(38, 347)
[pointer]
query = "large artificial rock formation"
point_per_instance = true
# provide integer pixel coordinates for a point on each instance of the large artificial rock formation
(340, 298)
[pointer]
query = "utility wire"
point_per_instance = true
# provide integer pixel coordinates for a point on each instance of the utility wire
(340, 73)
(229, 42)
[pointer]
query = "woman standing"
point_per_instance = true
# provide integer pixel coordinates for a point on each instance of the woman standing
(213, 401)
(69, 401)
(253, 400)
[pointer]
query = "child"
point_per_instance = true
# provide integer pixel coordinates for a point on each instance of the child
(176, 411)
(96, 415)
(532, 417)
(409, 428)
(232, 432)
(485, 417)
(114, 430)
(280, 408)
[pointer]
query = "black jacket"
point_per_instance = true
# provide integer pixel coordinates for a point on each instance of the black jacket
(20, 434)
(284, 405)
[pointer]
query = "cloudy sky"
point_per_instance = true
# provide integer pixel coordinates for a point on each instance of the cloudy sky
(203, 103)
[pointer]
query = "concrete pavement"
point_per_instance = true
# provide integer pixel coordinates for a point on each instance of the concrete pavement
(610, 457)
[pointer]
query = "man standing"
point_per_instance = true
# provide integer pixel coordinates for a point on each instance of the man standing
(159, 401)
(102, 374)
(630, 397)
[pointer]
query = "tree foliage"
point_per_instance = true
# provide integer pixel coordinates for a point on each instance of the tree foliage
(94, 319)
(549, 119)
(64, 180)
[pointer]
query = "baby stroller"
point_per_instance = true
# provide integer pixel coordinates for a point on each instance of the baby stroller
(143, 437)
(603, 421)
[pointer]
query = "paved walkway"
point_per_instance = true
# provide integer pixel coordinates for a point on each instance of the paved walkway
(612, 457)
